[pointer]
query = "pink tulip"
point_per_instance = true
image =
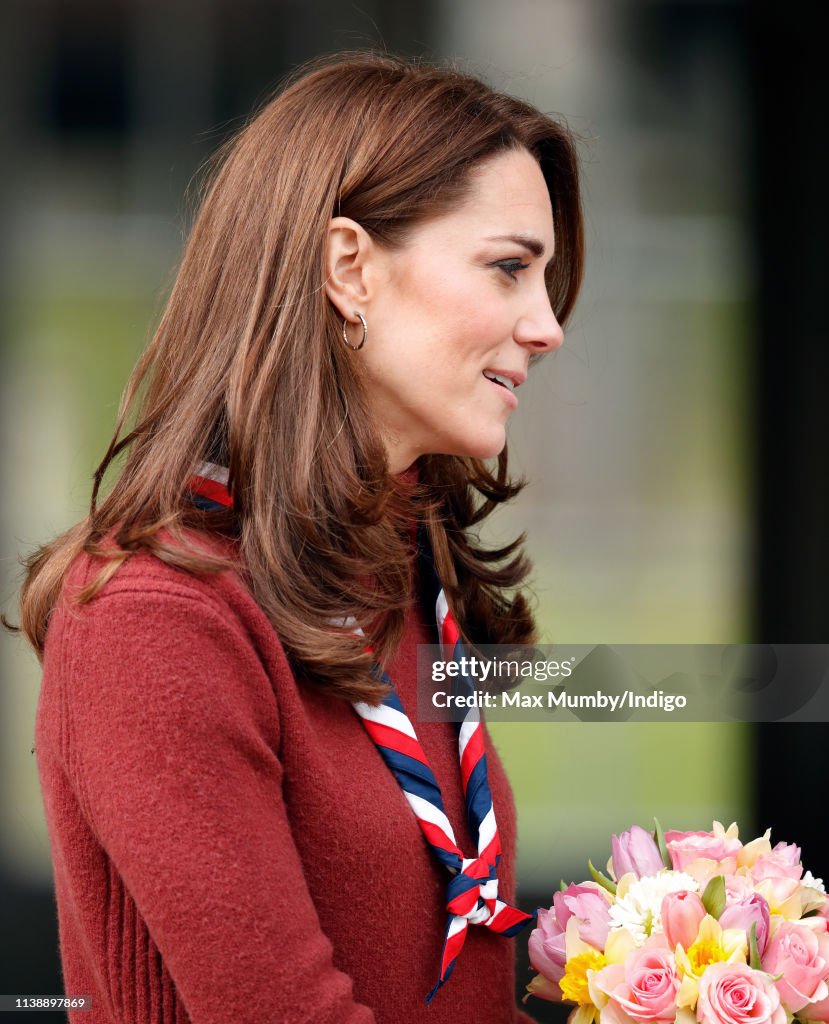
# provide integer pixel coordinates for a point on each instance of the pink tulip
(636, 851)
(746, 911)
(644, 988)
(547, 954)
(543, 988)
(546, 943)
(686, 848)
(590, 906)
(735, 994)
(800, 952)
(682, 914)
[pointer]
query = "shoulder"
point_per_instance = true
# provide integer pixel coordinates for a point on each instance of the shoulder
(160, 651)
(148, 603)
(142, 575)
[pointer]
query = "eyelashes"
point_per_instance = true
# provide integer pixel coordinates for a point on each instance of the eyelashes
(511, 267)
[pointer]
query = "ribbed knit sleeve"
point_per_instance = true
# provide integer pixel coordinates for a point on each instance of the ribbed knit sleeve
(170, 739)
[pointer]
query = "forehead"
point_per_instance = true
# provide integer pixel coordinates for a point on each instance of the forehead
(508, 196)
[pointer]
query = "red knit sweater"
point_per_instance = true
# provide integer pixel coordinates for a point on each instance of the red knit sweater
(228, 846)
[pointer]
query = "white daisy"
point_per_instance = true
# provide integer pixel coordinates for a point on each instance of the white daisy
(640, 909)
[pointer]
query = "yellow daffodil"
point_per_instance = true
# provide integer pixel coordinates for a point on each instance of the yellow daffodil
(619, 943)
(713, 944)
(583, 1015)
(747, 857)
(625, 883)
(583, 962)
(782, 896)
(574, 985)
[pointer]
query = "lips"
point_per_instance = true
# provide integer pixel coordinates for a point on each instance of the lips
(498, 379)
(510, 379)
(503, 385)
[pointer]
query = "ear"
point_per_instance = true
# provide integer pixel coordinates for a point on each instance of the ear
(350, 254)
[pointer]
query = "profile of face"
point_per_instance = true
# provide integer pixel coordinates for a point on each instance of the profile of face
(463, 303)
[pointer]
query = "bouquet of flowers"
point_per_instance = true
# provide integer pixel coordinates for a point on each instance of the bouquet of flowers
(688, 927)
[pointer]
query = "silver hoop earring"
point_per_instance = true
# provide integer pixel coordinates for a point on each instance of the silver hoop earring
(355, 348)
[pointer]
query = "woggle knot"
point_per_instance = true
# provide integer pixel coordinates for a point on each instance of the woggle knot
(473, 892)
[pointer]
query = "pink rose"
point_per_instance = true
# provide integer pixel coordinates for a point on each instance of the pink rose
(682, 913)
(717, 851)
(735, 994)
(817, 1011)
(737, 886)
(636, 851)
(546, 943)
(746, 911)
(799, 952)
(644, 988)
(782, 862)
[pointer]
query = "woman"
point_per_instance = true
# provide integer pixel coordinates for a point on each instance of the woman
(379, 256)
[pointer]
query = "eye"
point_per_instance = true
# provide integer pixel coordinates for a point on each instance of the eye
(510, 267)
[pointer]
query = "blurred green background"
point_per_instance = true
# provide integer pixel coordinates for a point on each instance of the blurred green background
(642, 439)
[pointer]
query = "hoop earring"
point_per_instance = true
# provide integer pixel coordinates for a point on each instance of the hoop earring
(355, 348)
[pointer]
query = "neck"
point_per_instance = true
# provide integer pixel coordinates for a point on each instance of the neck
(401, 464)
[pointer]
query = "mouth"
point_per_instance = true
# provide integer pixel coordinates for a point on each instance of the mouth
(510, 379)
(506, 383)
(496, 378)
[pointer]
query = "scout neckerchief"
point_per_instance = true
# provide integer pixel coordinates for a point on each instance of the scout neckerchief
(472, 892)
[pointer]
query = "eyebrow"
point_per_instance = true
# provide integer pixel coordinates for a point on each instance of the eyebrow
(529, 242)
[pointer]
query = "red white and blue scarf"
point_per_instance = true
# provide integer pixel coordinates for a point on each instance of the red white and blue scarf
(472, 891)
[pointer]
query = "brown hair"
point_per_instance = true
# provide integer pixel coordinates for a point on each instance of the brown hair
(247, 364)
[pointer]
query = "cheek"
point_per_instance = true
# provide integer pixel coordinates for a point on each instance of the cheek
(453, 301)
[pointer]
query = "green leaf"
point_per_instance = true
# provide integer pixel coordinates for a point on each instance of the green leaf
(659, 838)
(561, 886)
(754, 960)
(602, 880)
(713, 899)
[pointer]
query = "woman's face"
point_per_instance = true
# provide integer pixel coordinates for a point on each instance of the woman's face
(463, 301)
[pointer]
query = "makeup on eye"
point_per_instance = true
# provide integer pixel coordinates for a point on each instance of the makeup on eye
(532, 244)
(510, 267)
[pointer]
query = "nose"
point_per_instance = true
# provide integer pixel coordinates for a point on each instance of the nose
(538, 329)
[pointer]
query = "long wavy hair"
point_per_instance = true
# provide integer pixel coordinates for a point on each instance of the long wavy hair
(247, 368)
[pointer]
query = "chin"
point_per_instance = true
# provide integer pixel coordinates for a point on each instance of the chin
(485, 445)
